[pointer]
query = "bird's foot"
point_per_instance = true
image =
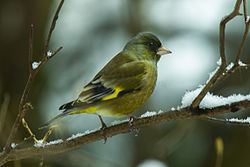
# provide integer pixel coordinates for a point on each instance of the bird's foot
(131, 120)
(103, 127)
(131, 125)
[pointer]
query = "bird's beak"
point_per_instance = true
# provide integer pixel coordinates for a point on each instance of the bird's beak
(162, 51)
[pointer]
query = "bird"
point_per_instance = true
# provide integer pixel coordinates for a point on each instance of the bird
(123, 84)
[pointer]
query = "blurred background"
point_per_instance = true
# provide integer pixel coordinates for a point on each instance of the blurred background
(92, 32)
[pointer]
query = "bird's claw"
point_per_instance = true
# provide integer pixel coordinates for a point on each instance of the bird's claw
(103, 127)
(131, 120)
(131, 125)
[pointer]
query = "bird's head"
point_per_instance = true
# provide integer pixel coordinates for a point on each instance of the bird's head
(145, 45)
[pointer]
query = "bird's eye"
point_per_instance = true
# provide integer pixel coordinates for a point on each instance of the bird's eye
(151, 44)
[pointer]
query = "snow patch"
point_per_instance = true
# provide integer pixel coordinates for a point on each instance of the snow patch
(81, 134)
(160, 112)
(229, 66)
(218, 62)
(212, 74)
(75, 136)
(242, 64)
(54, 142)
(39, 144)
(210, 100)
(49, 53)
(35, 65)
(248, 19)
(237, 120)
(148, 114)
(13, 145)
(115, 122)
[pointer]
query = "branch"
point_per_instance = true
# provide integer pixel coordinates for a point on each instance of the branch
(24, 106)
(31, 41)
(223, 65)
(52, 27)
(3, 111)
(125, 127)
(247, 23)
(237, 64)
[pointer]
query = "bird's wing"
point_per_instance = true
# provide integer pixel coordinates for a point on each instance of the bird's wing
(122, 80)
(120, 76)
(114, 83)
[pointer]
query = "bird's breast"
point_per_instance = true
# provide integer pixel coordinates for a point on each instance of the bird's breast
(150, 77)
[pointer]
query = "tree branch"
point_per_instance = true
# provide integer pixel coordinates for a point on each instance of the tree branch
(24, 106)
(125, 127)
(3, 111)
(31, 41)
(223, 65)
(52, 27)
(247, 23)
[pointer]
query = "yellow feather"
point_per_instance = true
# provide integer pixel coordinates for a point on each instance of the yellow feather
(86, 110)
(113, 95)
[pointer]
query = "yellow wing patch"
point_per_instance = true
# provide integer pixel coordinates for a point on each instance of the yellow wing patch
(86, 110)
(114, 94)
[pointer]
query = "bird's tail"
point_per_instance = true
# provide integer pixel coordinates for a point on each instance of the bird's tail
(69, 109)
(50, 122)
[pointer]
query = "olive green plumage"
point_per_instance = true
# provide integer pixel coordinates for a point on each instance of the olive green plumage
(124, 84)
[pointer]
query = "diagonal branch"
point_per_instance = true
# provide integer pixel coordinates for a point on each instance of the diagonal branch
(223, 65)
(125, 127)
(237, 64)
(52, 27)
(3, 111)
(31, 41)
(247, 23)
(24, 106)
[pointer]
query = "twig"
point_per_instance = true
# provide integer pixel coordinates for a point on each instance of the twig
(44, 140)
(236, 65)
(3, 110)
(47, 134)
(245, 10)
(247, 23)
(15, 126)
(228, 73)
(125, 127)
(55, 52)
(52, 27)
(25, 125)
(24, 106)
(31, 41)
(222, 68)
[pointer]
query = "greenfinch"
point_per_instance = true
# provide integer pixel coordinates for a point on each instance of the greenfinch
(124, 84)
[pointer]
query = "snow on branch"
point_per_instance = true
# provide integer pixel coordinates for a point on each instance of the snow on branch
(59, 146)
(241, 121)
(210, 100)
(225, 68)
(35, 65)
